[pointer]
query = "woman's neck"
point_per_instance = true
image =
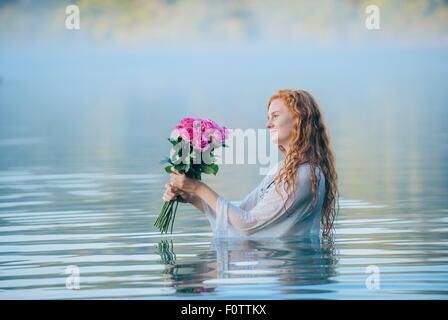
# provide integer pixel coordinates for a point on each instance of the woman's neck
(284, 149)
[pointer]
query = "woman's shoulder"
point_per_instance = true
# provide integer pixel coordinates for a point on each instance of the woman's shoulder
(304, 171)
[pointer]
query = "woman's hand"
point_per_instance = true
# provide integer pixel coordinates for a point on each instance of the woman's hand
(182, 182)
(172, 192)
(197, 190)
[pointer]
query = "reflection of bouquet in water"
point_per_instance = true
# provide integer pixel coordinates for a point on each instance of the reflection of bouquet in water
(194, 141)
(165, 249)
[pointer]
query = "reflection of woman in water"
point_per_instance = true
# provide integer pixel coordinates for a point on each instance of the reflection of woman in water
(282, 263)
(286, 261)
(298, 198)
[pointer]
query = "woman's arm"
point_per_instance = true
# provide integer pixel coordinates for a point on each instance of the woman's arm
(270, 208)
(244, 220)
(196, 201)
(199, 191)
(248, 221)
(207, 194)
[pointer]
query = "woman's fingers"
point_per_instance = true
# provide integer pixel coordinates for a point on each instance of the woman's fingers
(185, 196)
(171, 192)
(171, 188)
(168, 196)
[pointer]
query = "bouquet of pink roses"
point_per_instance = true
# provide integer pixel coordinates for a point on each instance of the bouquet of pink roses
(193, 142)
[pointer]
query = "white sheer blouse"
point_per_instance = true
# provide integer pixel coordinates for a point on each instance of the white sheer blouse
(264, 213)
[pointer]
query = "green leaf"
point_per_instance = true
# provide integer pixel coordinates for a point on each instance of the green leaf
(206, 169)
(168, 169)
(174, 141)
(180, 167)
(215, 169)
(166, 160)
(210, 169)
(194, 175)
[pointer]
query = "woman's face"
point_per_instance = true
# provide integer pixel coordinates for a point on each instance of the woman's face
(280, 123)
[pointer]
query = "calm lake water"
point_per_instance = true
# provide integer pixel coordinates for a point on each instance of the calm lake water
(81, 135)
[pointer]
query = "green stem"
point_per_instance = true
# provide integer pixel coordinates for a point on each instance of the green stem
(174, 216)
(166, 208)
(161, 213)
(166, 217)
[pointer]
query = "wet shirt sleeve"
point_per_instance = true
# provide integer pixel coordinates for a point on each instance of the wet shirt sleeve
(269, 208)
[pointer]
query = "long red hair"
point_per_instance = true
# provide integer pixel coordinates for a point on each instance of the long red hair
(310, 143)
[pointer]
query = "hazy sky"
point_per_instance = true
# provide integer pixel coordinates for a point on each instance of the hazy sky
(227, 23)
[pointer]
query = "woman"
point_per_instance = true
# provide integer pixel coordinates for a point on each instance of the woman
(303, 202)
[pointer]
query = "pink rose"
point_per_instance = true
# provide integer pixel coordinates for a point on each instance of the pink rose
(184, 133)
(201, 132)
(187, 122)
(225, 133)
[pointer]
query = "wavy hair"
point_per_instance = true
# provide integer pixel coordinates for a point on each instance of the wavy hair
(309, 143)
